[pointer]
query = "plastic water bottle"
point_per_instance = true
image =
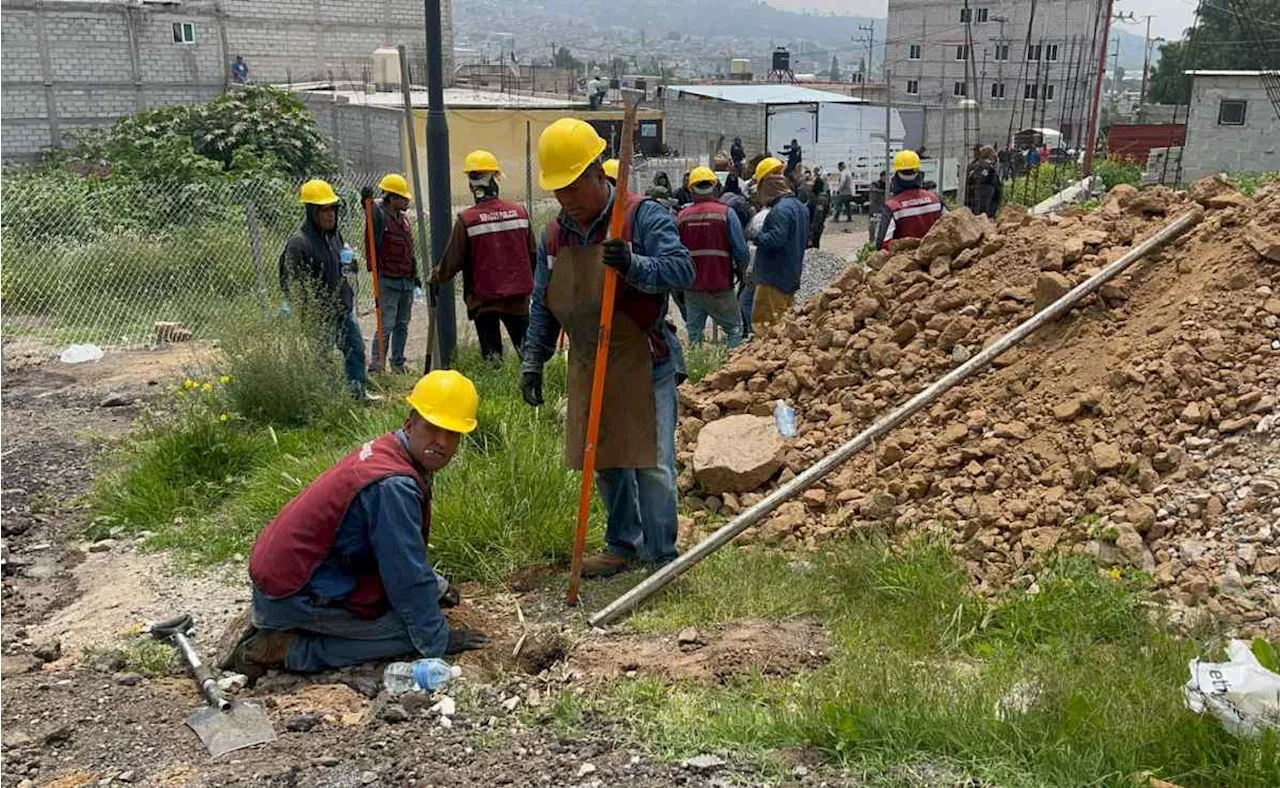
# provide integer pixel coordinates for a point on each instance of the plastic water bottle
(423, 675)
(419, 297)
(347, 255)
(784, 416)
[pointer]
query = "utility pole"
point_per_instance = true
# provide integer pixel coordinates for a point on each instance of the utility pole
(870, 30)
(1146, 66)
(1001, 48)
(441, 204)
(1091, 139)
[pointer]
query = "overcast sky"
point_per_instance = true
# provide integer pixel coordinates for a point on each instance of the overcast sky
(1171, 16)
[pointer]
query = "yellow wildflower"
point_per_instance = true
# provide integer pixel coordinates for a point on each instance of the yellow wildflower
(189, 384)
(225, 380)
(224, 417)
(207, 387)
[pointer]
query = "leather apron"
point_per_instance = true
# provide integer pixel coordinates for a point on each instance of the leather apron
(628, 419)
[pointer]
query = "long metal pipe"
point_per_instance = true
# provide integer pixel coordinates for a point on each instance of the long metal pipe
(411, 136)
(445, 322)
(821, 469)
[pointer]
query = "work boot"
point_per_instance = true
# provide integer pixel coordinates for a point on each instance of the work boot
(255, 655)
(238, 631)
(604, 564)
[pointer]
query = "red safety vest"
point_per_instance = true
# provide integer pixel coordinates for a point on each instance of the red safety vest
(704, 229)
(498, 237)
(302, 534)
(395, 246)
(914, 212)
(644, 309)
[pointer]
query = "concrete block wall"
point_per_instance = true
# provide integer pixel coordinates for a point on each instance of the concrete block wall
(1211, 147)
(82, 63)
(367, 139)
(694, 126)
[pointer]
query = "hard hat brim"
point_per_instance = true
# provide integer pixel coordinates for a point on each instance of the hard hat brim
(322, 203)
(452, 424)
(562, 180)
(405, 194)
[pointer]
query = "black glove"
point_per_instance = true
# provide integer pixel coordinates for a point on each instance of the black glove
(531, 388)
(465, 640)
(417, 282)
(617, 255)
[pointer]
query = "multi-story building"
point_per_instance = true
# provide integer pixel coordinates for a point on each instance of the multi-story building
(987, 68)
(74, 64)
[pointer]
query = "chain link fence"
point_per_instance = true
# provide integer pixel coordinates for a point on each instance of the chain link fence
(84, 260)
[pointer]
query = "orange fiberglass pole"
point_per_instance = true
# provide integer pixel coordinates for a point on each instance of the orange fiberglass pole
(371, 254)
(616, 221)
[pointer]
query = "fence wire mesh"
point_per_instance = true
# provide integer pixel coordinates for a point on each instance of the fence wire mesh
(90, 261)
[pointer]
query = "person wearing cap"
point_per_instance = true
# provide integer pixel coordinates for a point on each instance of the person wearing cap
(397, 268)
(341, 575)
(983, 191)
(910, 210)
(312, 274)
(492, 246)
(635, 454)
(611, 170)
(780, 245)
(714, 237)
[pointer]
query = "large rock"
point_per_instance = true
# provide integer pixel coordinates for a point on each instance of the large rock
(1216, 191)
(1050, 286)
(954, 232)
(1264, 240)
(737, 454)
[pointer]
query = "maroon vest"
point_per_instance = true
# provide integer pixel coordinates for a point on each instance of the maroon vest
(395, 247)
(498, 237)
(914, 212)
(645, 309)
(302, 534)
(704, 229)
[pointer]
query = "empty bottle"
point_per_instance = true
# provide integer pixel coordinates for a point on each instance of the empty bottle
(784, 416)
(423, 675)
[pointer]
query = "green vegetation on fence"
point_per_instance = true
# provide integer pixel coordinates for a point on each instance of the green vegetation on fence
(1072, 683)
(1042, 182)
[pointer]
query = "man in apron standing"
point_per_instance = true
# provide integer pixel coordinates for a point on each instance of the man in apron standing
(636, 452)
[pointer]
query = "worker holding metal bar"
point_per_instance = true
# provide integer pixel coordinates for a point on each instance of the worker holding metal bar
(636, 451)
(397, 269)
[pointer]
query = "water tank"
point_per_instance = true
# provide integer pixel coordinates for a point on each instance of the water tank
(781, 59)
(740, 67)
(386, 68)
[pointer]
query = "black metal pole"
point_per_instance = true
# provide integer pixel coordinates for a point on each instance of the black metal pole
(440, 204)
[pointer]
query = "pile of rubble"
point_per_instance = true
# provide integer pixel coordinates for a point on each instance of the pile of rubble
(1142, 428)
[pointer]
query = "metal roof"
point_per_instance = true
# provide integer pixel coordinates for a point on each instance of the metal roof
(1228, 73)
(765, 94)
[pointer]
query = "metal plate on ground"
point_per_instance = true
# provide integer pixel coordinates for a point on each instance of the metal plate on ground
(242, 725)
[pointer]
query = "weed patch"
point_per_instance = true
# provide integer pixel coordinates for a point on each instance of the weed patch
(139, 653)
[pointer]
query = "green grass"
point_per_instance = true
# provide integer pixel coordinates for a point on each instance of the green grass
(139, 653)
(1250, 182)
(919, 666)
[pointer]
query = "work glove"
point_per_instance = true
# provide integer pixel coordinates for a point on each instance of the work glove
(617, 255)
(465, 640)
(531, 388)
(452, 597)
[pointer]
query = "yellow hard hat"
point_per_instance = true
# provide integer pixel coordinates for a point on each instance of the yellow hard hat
(395, 183)
(481, 161)
(447, 399)
(565, 149)
(906, 160)
(702, 175)
(767, 166)
(318, 192)
(611, 168)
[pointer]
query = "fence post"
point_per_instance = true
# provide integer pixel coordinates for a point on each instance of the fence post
(255, 242)
(528, 167)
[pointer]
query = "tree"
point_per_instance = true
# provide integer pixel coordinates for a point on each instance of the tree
(1219, 41)
(565, 59)
(835, 69)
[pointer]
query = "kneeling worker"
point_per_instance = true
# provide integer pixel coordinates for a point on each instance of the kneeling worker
(341, 575)
(636, 449)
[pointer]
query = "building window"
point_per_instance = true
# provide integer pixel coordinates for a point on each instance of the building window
(997, 90)
(1048, 92)
(1033, 52)
(184, 33)
(1231, 112)
(1051, 52)
(913, 52)
(959, 89)
(913, 87)
(962, 52)
(1030, 91)
(1002, 51)
(966, 15)
(982, 15)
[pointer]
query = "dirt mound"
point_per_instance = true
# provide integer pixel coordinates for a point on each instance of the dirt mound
(1140, 428)
(732, 650)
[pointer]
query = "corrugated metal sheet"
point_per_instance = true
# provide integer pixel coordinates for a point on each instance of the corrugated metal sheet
(764, 94)
(1135, 140)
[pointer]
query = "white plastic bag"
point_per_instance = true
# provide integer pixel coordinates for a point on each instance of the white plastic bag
(79, 354)
(1243, 695)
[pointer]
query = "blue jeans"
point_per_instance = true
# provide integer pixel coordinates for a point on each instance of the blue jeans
(748, 302)
(641, 502)
(351, 343)
(722, 307)
(397, 308)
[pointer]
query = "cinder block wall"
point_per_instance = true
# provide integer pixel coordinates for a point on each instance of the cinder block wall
(367, 139)
(1211, 147)
(71, 65)
(694, 126)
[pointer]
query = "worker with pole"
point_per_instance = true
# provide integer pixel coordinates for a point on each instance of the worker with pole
(397, 271)
(635, 454)
(492, 246)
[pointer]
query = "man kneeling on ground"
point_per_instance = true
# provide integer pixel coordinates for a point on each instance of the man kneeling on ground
(341, 575)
